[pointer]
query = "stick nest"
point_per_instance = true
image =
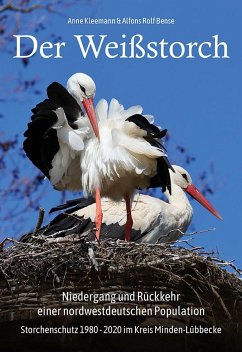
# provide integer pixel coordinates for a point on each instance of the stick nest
(35, 273)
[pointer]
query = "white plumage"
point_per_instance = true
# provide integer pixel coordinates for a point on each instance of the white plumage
(66, 162)
(121, 157)
(123, 160)
(153, 219)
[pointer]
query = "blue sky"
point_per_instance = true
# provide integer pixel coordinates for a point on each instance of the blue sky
(198, 100)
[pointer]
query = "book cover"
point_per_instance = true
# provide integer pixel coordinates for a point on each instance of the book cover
(182, 63)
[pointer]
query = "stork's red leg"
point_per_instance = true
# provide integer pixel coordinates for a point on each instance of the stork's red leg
(99, 214)
(129, 222)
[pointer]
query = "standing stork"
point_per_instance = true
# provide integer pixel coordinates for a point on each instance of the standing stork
(154, 220)
(129, 156)
(108, 153)
(56, 135)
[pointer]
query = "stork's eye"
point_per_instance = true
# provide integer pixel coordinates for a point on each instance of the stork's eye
(185, 177)
(83, 89)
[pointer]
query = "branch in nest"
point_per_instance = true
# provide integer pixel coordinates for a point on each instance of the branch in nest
(40, 220)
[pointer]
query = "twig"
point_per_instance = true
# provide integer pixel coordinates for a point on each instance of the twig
(40, 220)
(226, 263)
(199, 232)
(221, 302)
(191, 233)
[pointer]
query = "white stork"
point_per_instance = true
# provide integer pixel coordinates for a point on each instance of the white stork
(124, 153)
(154, 220)
(55, 138)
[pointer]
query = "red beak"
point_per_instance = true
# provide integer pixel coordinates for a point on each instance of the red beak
(89, 107)
(196, 194)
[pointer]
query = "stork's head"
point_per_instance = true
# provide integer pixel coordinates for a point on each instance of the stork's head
(182, 179)
(83, 88)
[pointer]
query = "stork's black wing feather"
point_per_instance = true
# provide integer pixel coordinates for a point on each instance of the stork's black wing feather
(71, 224)
(68, 223)
(58, 94)
(41, 150)
(41, 143)
(79, 203)
(162, 178)
(143, 123)
(154, 136)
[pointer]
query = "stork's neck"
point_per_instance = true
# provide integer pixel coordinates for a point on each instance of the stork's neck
(179, 201)
(177, 215)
